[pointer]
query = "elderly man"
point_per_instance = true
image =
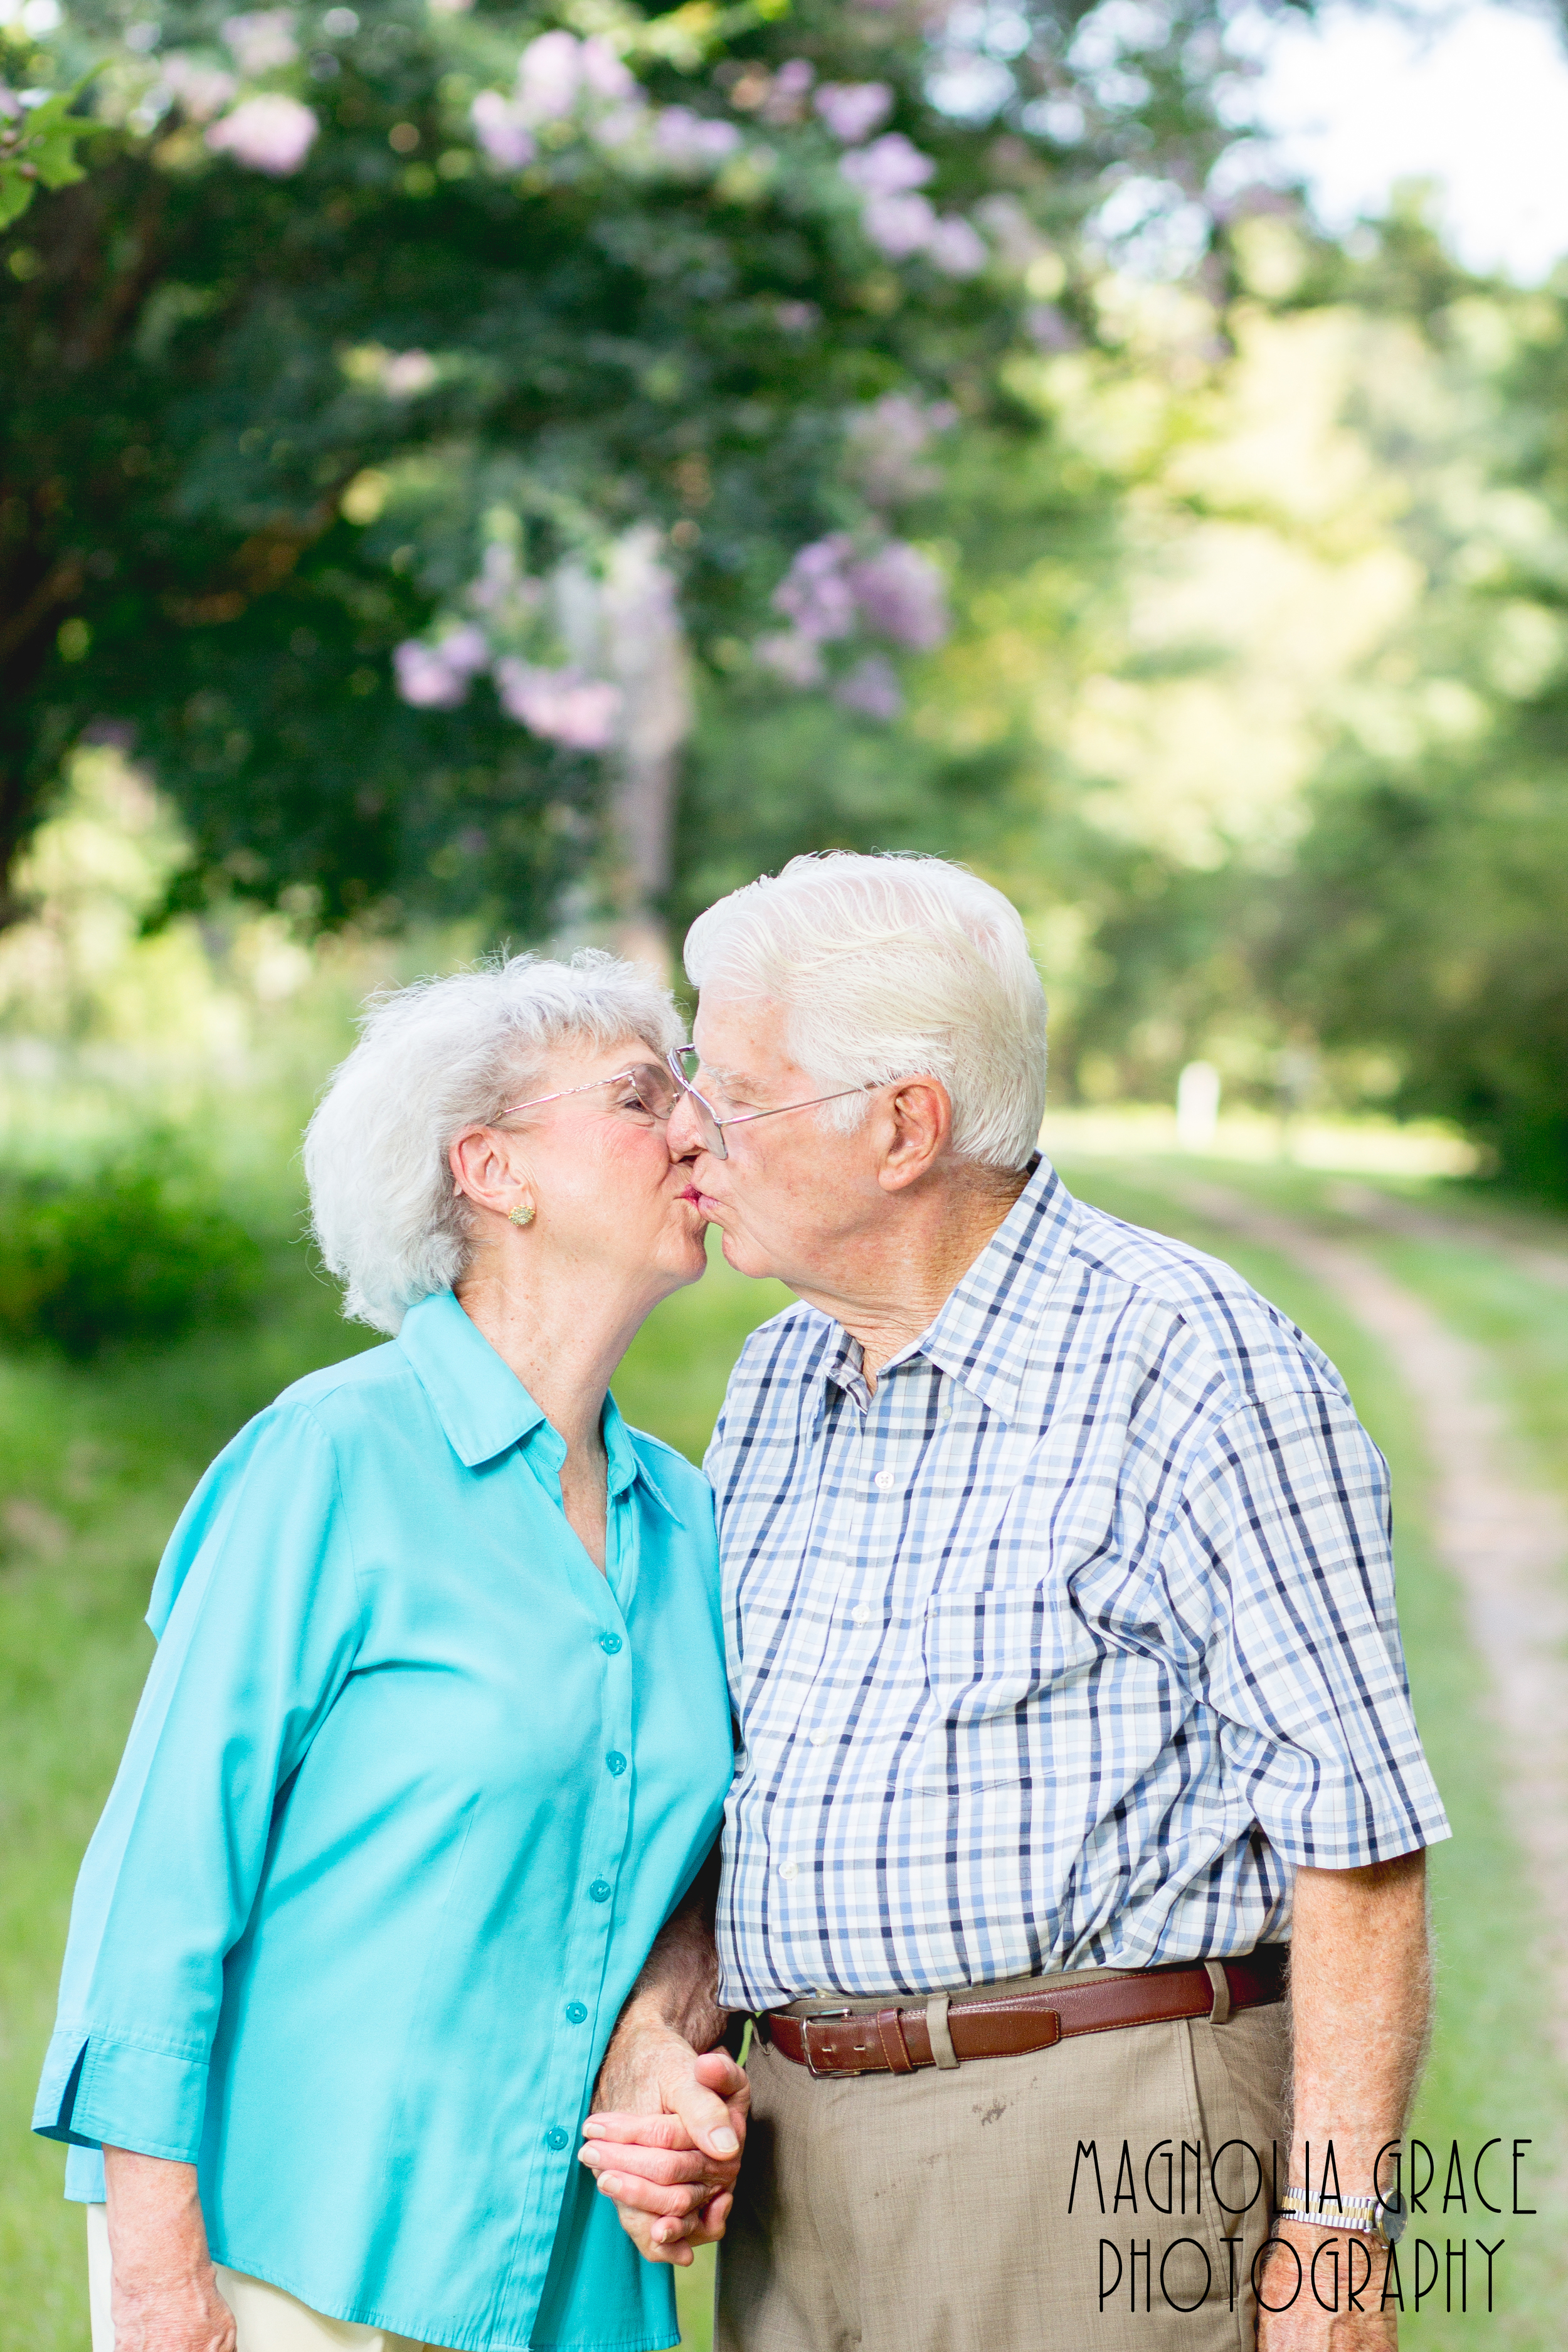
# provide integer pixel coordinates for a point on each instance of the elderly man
(1070, 1700)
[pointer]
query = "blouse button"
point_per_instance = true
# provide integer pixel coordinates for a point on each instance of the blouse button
(601, 1890)
(609, 1643)
(575, 2013)
(883, 1479)
(555, 2138)
(617, 1762)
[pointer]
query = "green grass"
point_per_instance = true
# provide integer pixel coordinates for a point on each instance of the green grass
(96, 1463)
(1491, 2068)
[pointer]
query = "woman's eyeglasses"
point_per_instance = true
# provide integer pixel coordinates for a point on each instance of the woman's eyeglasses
(649, 1089)
(685, 1059)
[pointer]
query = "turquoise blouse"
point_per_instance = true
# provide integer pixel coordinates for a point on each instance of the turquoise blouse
(411, 1790)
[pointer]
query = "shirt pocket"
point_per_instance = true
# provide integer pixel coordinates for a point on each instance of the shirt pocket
(983, 1649)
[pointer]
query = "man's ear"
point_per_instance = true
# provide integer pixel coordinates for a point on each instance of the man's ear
(482, 1169)
(921, 1117)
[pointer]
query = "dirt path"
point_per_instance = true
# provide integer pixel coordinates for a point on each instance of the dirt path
(1504, 1539)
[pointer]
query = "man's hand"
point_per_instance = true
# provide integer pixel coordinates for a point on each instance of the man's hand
(664, 2141)
(1347, 2262)
(164, 2294)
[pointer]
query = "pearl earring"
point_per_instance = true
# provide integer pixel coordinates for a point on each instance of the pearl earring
(523, 1215)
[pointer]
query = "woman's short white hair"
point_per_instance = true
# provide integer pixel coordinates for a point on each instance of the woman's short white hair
(892, 967)
(432, 1059)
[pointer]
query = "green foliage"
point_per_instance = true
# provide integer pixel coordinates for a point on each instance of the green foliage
(223, 505)
(1426, 909)
(38, 148)
(137, 1251)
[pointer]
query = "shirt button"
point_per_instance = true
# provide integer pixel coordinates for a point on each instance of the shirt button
(617, 1762)
(861, 1616)
(575, 2013)
(555, 2138)
(884, 1478)
(609, 1643)
(788, 1869)
(601, 1890)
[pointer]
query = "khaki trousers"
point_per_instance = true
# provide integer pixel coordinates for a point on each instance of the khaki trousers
(929, 2212)
(265, 2319)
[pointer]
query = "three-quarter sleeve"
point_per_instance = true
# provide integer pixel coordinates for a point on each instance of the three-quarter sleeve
(1282, 1564)
(259, 1615)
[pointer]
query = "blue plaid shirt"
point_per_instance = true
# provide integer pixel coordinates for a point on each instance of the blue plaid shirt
(1065, 1646)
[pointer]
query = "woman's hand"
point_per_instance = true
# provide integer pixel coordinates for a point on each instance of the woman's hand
(665, 2143)
(164, 2294)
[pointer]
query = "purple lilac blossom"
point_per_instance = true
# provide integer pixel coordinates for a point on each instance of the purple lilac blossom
(407, 373)
(884, 443)
(199, 89)
(465, 649)
(853, 109)
(426, 679)
(791, 657)
(689, 139)
(502, 131)
(271, 134)
(888, 167)
(261, 39)
(899, 225)
(563, 706)
(871, 689)
(604, 74)
(956, 249)
(549, 76)
(1051, 330)
(900, 595)
(813, 593)
(797, 318)
(786, 100)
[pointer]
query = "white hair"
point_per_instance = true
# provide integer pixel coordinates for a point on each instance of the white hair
(432, 1059)
(892, 967)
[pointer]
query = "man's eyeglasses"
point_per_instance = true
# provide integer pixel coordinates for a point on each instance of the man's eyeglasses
(685, 1060)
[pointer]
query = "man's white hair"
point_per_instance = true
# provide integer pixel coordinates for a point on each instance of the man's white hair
(432, 1059)
(892, 967)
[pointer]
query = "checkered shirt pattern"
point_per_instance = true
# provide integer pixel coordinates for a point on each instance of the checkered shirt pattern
(1065, 1646)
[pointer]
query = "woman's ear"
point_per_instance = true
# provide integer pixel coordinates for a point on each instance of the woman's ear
(487, 1170)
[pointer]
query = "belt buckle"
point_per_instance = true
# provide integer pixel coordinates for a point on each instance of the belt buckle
(822, 2017)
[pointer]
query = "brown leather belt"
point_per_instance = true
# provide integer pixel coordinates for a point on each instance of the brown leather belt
(897, 2041)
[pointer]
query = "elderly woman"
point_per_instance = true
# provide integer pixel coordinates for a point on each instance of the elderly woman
(436, 1741)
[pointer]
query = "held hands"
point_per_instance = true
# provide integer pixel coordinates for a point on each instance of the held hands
(664, 2142)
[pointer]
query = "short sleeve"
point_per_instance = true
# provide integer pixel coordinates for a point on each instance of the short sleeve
(1281, 1561)
(258, 1610)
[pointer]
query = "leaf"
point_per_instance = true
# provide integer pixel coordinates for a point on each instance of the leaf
(16, 191)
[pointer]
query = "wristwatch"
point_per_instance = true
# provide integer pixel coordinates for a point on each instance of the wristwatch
(1386, 2216)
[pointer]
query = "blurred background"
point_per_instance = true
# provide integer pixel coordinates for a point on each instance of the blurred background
(480, 474)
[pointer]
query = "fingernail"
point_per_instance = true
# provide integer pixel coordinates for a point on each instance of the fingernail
(723, 2143)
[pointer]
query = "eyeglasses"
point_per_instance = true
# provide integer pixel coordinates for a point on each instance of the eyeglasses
(652, 1089)
(686, 1058)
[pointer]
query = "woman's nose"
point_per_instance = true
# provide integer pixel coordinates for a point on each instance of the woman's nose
(681, 1133)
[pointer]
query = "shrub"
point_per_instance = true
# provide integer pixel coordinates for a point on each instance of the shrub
(139, 1249)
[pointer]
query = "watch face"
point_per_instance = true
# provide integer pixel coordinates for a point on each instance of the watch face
(1388, 2215)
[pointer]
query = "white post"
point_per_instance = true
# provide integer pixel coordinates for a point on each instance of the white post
(1197, 1106)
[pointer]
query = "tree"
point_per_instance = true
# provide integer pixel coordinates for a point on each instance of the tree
(1426, 913)
(401, 388)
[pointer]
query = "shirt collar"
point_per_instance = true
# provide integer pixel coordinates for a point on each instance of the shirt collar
(984, 1333)
(483, 1406)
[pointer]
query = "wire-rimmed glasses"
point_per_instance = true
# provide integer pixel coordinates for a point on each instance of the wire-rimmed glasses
(652, 1091)
(685, 1059)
